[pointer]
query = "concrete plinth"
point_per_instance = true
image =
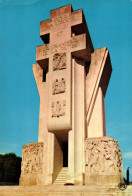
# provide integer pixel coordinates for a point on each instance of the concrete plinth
(103, 180)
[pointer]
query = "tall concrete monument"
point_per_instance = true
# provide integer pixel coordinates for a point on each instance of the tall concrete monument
(72, 79)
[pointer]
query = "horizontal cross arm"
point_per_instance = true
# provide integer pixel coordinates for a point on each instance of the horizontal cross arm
(76, 45)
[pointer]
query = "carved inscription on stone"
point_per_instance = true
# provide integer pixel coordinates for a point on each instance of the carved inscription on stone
(32, 158)
(67, 45)
(58, 108)
(103, 156)
(59, 61)
(63, 19)
(58, 86)
(48, 49)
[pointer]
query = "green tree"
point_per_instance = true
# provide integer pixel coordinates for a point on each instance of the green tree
(1, 167)
(10, 168)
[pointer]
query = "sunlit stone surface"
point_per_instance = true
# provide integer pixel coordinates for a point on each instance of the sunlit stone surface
(72, 79)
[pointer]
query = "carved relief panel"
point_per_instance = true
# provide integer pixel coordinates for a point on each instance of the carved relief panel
(59, 61)
(103, 156)
(58, 108)
(58, 86)
(32, 158)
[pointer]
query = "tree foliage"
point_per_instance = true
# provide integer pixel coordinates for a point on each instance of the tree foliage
(10, 168)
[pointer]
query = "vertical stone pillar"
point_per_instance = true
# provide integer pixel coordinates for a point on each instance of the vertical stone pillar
(96, 85)
(96, 126)
(77, 134)
(79, 119)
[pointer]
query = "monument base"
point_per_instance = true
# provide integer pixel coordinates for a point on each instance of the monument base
(103, 162)
(76, 178)
(103, 180)
(35, 179)
(29, 179)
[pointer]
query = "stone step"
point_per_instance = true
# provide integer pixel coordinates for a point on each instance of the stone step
(61, 178)
(64, 169)
(59, 183)
(61, 174)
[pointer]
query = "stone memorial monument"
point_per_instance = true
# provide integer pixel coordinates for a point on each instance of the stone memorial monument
(72, 80)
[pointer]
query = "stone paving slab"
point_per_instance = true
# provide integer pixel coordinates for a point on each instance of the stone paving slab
(62, 191)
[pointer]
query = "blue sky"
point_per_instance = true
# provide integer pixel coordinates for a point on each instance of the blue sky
(109, 23)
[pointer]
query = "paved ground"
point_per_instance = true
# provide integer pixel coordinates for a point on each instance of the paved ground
(60, 190)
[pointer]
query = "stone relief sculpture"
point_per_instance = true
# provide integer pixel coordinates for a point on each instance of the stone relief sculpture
(59, 61)
(32, 158)
(58, 86)
(103, 156)
(58, 108)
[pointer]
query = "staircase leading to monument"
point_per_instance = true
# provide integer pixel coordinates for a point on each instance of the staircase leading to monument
(61, 178)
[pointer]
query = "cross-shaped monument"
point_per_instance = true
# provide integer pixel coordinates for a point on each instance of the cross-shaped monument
(72, 80)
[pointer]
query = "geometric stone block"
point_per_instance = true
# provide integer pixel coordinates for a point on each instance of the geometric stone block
(103, 161)
(32, 163)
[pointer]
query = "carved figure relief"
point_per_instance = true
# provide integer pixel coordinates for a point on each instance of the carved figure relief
(58, 86)
(58, 108)
(59, 61)
(103, 156)
(32, 158)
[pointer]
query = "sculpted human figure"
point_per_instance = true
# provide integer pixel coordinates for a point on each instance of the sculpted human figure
(63, 85)
(59, 61)
(103, 156)
(89, 154)
(56, 62)
(63, 61)
(101, 149)
(53, 88)
(58, 108)
(58, 86)
(110, 166)
(113, 155)
(62, 112)
(93, 165)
